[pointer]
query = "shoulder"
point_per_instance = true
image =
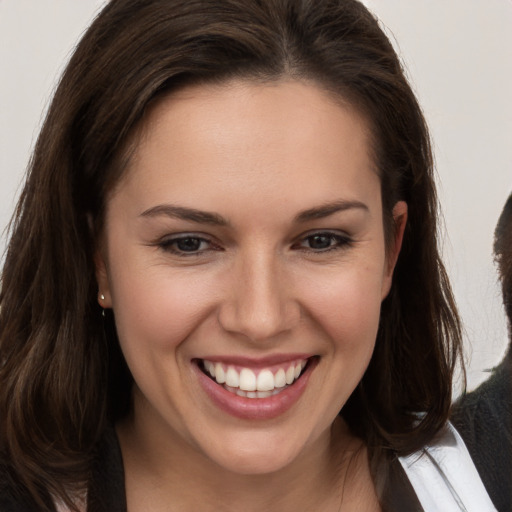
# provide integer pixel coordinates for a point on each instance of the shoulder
(484, 420)
(444, 476)
(489, 404)
(106, 491)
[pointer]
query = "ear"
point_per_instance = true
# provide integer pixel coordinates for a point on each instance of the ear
(393, 249)
(104, 296)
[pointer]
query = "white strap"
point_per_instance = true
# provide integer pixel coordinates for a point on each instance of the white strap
(444, 476)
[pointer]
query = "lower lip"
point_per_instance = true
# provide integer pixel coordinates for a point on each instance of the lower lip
(255, 408)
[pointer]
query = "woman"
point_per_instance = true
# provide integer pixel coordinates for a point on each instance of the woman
(245, 188)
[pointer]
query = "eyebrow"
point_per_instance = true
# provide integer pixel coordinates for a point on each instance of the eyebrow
(328, 209)
(183, 213)
(204, 217)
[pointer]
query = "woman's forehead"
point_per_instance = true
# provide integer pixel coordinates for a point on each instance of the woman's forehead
(281, 141)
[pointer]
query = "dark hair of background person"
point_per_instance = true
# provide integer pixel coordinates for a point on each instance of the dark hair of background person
(62, 375)
(503, 257)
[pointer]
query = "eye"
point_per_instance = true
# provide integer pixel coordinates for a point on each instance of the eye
(324, 241)
(186, 245)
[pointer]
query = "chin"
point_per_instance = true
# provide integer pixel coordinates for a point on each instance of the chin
(255, 463)
(258, 453)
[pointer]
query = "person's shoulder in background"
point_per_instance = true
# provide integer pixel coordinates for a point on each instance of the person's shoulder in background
(484, 420)
(484, 416)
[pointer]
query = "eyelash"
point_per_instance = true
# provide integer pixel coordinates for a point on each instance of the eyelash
(342, 241)
(170, 244)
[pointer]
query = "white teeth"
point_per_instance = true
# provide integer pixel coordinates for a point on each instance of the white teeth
(265, 381)
(247, 380)
(232, 378)
(220, 375)
(245, 383)
(290, 375)
(210, 368)
(280, 379)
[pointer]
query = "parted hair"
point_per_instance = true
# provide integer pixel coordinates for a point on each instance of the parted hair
(63, 378)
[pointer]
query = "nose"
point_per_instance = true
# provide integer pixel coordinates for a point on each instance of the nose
(259, 303)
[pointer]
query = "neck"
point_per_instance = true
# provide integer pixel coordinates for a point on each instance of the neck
(161, 469)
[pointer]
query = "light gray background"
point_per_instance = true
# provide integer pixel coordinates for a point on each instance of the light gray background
(458, 54)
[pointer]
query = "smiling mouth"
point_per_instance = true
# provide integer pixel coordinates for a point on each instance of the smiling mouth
(249, 383)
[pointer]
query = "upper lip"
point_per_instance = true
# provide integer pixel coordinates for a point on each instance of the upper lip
(258, 362)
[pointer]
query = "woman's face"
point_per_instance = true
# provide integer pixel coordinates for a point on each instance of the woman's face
(244, 259)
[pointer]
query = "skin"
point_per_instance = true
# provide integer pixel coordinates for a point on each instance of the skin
(259, 156)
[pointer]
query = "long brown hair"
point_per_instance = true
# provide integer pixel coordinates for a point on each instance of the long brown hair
(62, 375)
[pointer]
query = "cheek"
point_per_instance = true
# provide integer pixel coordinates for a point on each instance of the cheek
(156, 308)
(347, 307)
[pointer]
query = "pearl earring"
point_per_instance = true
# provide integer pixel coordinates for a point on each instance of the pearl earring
(102, 298)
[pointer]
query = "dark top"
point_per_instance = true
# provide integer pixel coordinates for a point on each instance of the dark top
(106, 492)
(484, 421)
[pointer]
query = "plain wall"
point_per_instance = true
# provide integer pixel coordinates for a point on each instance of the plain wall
(458, 54)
